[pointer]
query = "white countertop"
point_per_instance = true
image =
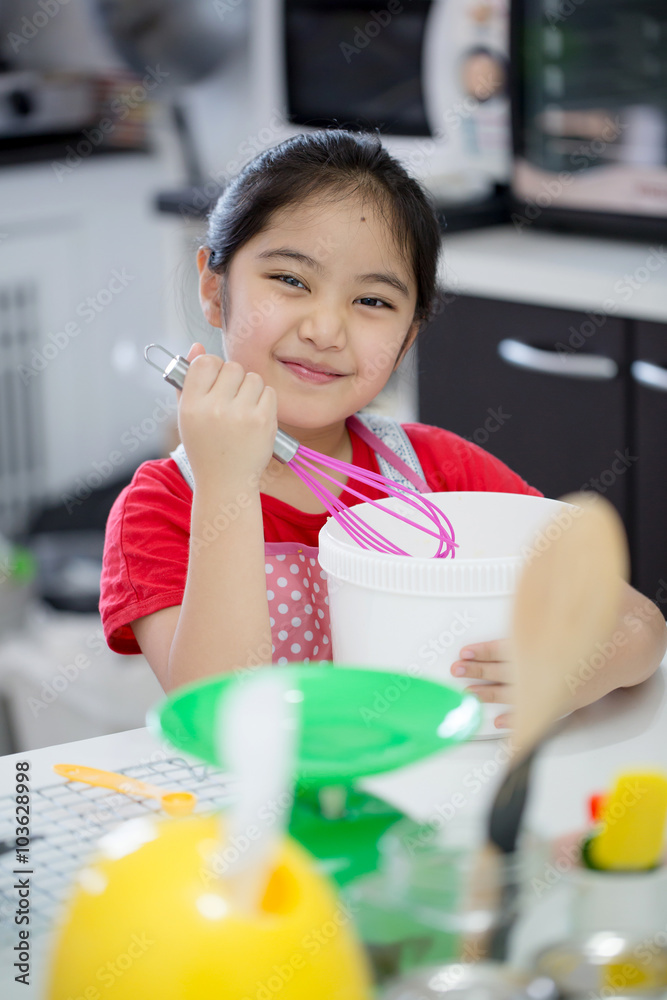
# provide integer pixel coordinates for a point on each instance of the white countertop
(561, 270)
(625, 730)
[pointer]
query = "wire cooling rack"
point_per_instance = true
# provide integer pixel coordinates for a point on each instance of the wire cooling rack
(67, 819)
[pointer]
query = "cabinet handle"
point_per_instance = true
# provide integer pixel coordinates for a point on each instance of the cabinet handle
(649, 374)
(514, 352)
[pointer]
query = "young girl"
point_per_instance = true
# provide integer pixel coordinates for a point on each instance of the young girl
(319, 269)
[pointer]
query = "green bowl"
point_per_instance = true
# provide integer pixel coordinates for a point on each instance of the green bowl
(354, 721)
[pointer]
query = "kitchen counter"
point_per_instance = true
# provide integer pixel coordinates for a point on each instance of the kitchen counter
(562, 270)
(624, 730)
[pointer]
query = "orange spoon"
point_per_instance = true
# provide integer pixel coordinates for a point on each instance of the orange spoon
(173, 803)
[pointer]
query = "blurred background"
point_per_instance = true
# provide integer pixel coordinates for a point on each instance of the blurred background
(539, 128)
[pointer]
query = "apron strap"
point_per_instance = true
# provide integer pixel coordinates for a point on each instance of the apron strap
(183, 463)
(393, 448)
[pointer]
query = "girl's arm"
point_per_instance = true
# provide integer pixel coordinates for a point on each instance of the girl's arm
(227, 420)
(223, 623)
(630, 655)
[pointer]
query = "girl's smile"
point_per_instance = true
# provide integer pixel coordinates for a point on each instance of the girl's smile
(310, 372)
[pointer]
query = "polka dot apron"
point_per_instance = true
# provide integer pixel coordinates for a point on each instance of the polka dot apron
(296, 586)
(298, 603)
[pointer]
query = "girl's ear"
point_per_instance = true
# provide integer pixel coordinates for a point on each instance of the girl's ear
(410, 338)
(209, 289)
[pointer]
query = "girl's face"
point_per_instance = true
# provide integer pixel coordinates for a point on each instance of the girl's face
(319, 304)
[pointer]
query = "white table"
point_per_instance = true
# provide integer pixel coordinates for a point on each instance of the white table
(627, 729)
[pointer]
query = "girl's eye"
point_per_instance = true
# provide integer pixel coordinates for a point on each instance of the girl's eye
(375, 303)
(289, 279)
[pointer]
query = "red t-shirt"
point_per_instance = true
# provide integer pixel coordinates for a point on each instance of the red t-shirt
(148, 531)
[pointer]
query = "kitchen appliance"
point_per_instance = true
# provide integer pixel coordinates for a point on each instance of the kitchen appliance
(589, 113)
(47, 115)
(428, 74)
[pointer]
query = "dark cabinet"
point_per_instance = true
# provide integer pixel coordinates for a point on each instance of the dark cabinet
(555, 394)
(649, 388)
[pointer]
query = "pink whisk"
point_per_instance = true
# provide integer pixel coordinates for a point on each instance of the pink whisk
(305, 462)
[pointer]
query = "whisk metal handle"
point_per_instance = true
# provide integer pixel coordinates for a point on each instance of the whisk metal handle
(284, 446)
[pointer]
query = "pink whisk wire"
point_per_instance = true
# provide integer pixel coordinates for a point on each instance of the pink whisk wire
(306, 462)
(338, 510)
(366, 536)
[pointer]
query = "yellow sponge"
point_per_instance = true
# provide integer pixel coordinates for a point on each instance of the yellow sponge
(632, 823)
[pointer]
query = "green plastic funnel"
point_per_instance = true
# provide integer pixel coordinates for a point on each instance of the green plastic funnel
(354, 722)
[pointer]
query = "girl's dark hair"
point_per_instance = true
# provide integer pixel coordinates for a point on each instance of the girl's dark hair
(338, 161)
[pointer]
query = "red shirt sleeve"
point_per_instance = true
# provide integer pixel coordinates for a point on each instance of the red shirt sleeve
(453, 464)
(146, 551)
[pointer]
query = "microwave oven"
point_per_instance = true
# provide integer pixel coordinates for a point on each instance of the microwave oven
(429, 75)
(589, 115)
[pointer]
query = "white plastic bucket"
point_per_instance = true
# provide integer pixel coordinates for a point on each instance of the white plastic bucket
(413, 614)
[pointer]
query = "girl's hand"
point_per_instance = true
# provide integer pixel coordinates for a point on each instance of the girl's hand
(227, 420)
(488, 661)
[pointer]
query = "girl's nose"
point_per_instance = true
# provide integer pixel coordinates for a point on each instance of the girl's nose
(324, 327)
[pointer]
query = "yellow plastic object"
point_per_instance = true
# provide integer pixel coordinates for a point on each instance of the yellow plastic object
(150, 918)
(173, 803)
(632, 823)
